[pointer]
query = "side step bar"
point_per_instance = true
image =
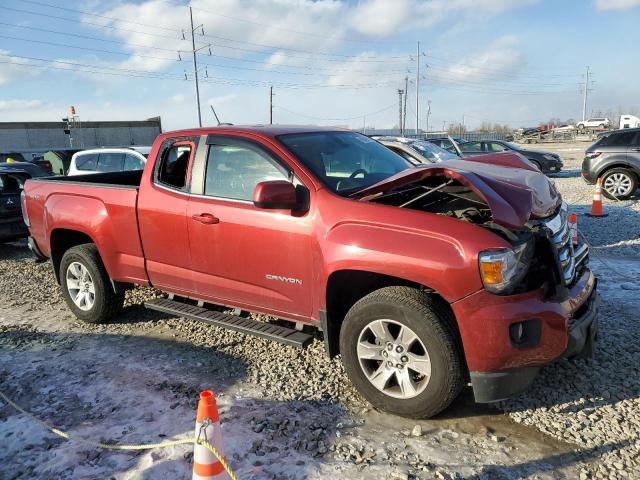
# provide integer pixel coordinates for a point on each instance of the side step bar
(248, 326)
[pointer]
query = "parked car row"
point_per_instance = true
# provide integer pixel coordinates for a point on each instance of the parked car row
(449, 148)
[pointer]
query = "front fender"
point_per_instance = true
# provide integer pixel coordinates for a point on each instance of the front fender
(444, 262)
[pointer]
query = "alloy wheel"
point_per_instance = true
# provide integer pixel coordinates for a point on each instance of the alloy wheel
(618, 184)
(393, 358)
(80, 285)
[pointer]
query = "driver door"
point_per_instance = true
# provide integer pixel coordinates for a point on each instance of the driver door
(242, 255)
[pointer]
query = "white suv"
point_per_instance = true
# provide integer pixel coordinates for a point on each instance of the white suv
(594, 123)
(102, 160)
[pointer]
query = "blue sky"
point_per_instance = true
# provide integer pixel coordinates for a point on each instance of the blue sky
(333, 62)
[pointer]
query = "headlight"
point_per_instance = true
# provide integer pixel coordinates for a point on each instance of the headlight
(502, 270)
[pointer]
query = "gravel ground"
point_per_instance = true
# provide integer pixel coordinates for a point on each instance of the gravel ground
(594, 405)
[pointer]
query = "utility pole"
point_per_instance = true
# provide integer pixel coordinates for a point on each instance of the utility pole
(417, 88)
(462, 124)
(400, 92)
(584, 99)
(271, 105)
(195, 64)
(428, 113)
(404, 115)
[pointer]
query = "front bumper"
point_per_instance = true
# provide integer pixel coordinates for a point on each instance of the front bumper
(498, 367)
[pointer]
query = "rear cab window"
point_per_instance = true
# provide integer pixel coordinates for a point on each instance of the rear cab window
(171, 171)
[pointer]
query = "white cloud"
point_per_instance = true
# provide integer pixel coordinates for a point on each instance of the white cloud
(12, 68)
(381, 18)
(19, 104)
(616, 4)
(178, 98)
(498, 60)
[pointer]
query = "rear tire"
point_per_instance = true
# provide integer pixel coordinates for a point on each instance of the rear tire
(619, 184)
(426, 375)
(86, 287)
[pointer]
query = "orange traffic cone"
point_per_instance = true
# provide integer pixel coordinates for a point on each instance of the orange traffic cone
(596, 205)
(205, 464)
(573, 228)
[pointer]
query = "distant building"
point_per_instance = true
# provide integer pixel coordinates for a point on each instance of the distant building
(43, 136)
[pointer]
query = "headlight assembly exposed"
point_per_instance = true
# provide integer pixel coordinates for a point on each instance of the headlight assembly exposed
(502, 270)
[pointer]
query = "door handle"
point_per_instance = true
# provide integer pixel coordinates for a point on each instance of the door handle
(206, 218)
(635, 149)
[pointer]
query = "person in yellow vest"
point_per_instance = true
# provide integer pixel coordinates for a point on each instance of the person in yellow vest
(11, 160)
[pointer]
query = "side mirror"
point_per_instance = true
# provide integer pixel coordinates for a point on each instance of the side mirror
(278, 194)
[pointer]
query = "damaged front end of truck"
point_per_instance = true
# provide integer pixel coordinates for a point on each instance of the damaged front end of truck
(521, 206)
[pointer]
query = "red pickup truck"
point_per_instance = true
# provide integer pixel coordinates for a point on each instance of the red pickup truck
(422, 278)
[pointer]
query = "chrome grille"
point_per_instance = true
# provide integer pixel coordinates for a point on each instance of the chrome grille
(569, 256)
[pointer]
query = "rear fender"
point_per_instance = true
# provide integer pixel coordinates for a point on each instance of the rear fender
(112, 234)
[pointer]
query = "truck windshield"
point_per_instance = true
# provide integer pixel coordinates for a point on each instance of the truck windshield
(344, 161)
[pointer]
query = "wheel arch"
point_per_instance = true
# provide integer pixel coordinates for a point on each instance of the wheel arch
(63, 239)
(345, 287)
(618, 164)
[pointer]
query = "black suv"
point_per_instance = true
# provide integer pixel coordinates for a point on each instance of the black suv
(616, 158)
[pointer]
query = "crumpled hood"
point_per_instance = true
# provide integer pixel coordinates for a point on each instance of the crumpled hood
(514, 195)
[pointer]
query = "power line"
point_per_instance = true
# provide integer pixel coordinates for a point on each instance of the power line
(494, 71)
(88, 37)
(312, 53)
(83, 22)
(271, 26)
(108, 68)
(149, 76)
(84, 12)
(356, 58)
(278, 72)
(127, 54)
(117, 42)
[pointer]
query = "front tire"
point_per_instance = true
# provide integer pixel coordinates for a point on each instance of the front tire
(401, 352)
(619, 184)
(86, 287)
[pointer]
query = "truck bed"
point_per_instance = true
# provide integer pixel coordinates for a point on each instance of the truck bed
(122, 179)
(102, 207)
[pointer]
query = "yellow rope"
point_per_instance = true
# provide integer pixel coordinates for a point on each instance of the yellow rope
(113, 446)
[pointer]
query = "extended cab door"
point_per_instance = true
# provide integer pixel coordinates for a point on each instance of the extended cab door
(162, 209)
(243, 255)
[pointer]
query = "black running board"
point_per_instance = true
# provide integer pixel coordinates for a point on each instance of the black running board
(248, 326)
